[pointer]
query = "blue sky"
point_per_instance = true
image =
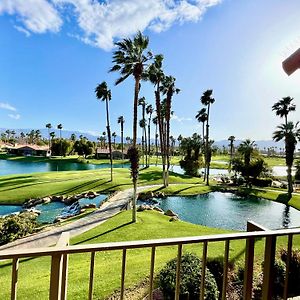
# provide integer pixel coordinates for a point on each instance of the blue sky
(53, 53)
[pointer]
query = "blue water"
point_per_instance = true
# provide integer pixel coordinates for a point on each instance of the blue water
(228, 211)
(51, 210)
(8, 167)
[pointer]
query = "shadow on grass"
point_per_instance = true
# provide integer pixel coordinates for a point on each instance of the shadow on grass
(103, 233)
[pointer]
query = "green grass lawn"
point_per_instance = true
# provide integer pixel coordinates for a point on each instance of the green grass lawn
(108, 264)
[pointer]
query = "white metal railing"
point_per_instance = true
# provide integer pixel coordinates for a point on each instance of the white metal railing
(60, 253)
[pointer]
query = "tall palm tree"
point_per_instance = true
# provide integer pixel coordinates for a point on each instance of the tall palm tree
(155, 122)
(201, 117)
(142, 102)
(103, 93)
(129, 59)
(73, 137)
(207, 100)
(121, 121)
(114, 135)
(104, 139)
(49, 126)
(290, 133)
(22, 136)
(246, 148)
(283, 107)
(149, 112)
(168, 88)
(60, 127)
(231, 139)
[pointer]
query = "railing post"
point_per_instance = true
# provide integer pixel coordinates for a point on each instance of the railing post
(270, 248)
(14, 278)
(177, 287)
(59, 271)
(249, 259)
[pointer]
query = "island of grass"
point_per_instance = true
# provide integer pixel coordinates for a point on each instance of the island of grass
(108, 264)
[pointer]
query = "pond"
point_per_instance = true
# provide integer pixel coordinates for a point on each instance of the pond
(9, 167)
(228, 211)
(51, 210)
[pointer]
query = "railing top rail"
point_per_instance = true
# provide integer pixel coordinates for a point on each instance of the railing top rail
(35, 252)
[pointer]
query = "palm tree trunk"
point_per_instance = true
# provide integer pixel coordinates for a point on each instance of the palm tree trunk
(203, 139)
(290, 181)
(149, 141)
(109, 140)
(207, 154)
(122, 143)
(156, 144)
(168, 116)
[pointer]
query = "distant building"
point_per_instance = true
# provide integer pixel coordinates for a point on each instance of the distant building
(104, 153)
(29, 150)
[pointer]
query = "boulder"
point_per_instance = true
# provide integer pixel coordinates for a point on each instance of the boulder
(141, 208)
(160, 195)
(171, 213)
(46, 200)
(90, 205)
(57, 198)
(173, 219)
(158, 209)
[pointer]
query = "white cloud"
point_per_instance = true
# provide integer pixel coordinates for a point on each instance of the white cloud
(37, 16)
(7, 106)
(14, 116)
(23, 30)
(102, 22)
(180, 119)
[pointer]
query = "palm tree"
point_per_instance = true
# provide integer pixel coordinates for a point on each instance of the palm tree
(231, 139)
(131, 58)
(290, 133)
(104, 94)
(149, 112)
(49, 126)
(128, 139)
(207, 100)
(104, 139)
(114, 135)
(168, 88)
(283, 107)
(121, 121)
(73, 137)
(142, 103)
(60, 127)
(155, 122)
(22, 136)
(202, 118)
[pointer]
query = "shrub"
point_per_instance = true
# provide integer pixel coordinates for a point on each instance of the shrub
(294, 274)
(15, 226)
(190, 279)
(262, 182)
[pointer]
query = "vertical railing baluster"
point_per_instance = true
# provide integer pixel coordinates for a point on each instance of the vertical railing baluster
(225, 270)
(177, 288)
(287, 271)
(204, 259)
(123, 274)
(92, 272)
(270, 248)
(64, 279)
(55, 277)
(14, 278)
(152, 273)
(248, 273)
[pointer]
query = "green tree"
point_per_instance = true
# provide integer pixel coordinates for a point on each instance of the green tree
(155, 122)
(60, 127)
(143, 124)
(114, 135)
(103, 93)
(121, 121)
(130, 59)
(49, 126)
(207, 100)
(231, 140)
(290, 133)
(283, 107)
(149, 112)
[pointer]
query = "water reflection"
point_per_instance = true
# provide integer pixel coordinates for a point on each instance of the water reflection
(286, 217)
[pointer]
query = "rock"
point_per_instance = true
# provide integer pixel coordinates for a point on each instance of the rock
(90, 205)
(57, 198)
(171, 213)
(158, 209)
(46, 200)
(173, 219)
(141, 208)
(160, 195)
(57, 220)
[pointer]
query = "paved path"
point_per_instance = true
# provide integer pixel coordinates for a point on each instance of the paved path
(49, 237)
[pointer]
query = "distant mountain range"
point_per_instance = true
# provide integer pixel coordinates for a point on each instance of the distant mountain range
(67, 133)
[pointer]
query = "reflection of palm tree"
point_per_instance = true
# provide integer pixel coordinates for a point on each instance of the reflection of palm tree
(121, 121)
(130, 59)
(104, 94)
(290, 132)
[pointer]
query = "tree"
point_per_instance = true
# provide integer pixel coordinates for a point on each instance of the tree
(60, 127)
(104, 138)
(207, 100)
(231, 139)
(168, 89)
(121, 121)
(73, 137)
(114, 135)
(283, 107)
(297, 174)
(290, 133)
(149, 112)
(49, 126)
(201, 117)
(155, 122)
(103, 93)
(129, 59)
(143, 125)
